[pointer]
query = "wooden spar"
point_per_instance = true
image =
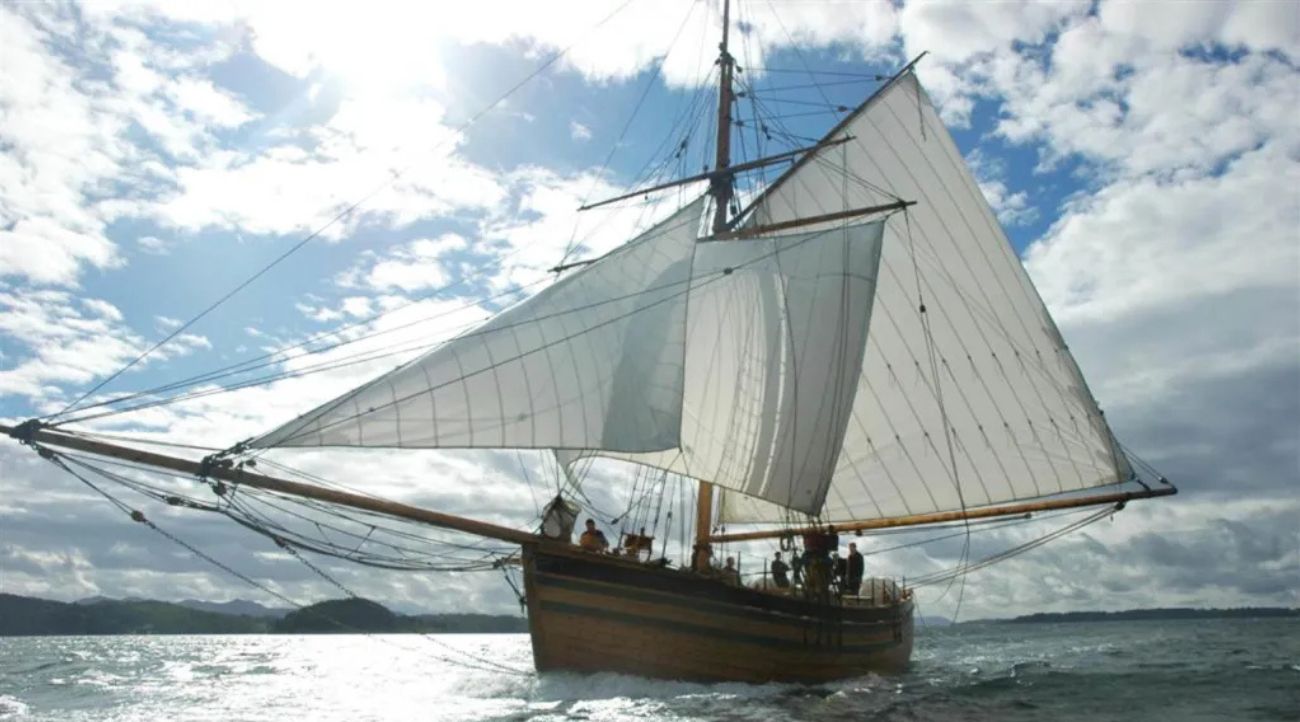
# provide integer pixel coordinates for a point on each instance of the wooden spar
(704, 513)
(244, 477)
(942, 516)
(751, 231)
(721, 183)
(710, 175)
(839, 128)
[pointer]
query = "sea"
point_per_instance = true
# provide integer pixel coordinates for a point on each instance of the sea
(1181, 671)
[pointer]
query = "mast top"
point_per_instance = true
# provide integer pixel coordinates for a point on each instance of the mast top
(720, 184)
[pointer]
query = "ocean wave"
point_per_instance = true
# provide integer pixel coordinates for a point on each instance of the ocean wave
(12, 708)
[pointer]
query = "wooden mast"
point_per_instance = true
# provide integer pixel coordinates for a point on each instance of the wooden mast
(720, 188)
(244, 477)
(942, 516)
(703, 525)
(720, 184)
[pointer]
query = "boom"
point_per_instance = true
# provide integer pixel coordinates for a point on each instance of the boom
(244, 477)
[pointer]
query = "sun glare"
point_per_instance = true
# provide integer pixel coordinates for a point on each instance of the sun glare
(374, 48)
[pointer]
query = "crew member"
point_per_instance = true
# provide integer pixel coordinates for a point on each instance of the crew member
(730, 574)
(856, 568)
(780, 571)
(796, 566)
(593, 539)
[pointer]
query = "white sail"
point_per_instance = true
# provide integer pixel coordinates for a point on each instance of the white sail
(776, 331)
(593, 361)
(797, 370)
(977, 400)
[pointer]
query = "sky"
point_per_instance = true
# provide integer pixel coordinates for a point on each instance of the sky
(1144, 158)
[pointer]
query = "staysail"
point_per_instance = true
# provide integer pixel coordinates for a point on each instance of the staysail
(968, 395)
(592, 361)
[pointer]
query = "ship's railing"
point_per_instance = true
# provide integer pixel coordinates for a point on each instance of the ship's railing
(880, 592)
(873, 592)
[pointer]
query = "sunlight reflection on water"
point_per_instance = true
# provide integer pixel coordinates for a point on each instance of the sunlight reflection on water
(1178, 671)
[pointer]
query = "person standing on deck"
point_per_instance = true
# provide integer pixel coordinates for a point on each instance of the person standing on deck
(856, 567)
(841, 571)
(796, 566)
(593, 539)
(730, 574)
(780, 571)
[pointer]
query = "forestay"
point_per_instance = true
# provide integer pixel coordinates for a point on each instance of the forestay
(974, 401)
(593, 361)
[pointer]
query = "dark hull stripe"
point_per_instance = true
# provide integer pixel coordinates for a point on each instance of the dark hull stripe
(712, 632)
(730, 611)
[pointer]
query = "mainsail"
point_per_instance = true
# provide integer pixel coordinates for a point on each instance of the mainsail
(968, 395)
(849, 371)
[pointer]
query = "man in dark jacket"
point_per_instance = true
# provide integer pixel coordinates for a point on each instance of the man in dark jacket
(856, 567)
(780, 572)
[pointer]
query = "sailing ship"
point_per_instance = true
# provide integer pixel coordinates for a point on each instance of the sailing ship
(856, 348)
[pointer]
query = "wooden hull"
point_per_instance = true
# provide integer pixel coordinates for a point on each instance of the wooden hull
(594, 613)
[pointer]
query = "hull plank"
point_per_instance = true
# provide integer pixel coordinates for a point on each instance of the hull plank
(592, 613)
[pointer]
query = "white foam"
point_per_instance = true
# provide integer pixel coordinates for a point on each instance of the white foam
(11, 707)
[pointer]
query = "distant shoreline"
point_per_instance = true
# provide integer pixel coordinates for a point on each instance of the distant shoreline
(1156, 614)
(32, 617)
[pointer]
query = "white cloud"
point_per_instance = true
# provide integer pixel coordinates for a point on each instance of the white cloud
(393, 46)
(1146, 243)
(45, 251)
(416, 265)
(401, 161)
(1178, 113)
(1012, 208)
(961, 36)
(544, 225)
(66, 340)
(57, 148)
(153, 245)
(76, 125)
(207, 103)
(358, 306)
(579, 132)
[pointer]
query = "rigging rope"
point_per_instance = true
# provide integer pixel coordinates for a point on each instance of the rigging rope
(966, 568)
(948, 430)
(626, 126)
(392, 177)
(270, 359)
(479, 663)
